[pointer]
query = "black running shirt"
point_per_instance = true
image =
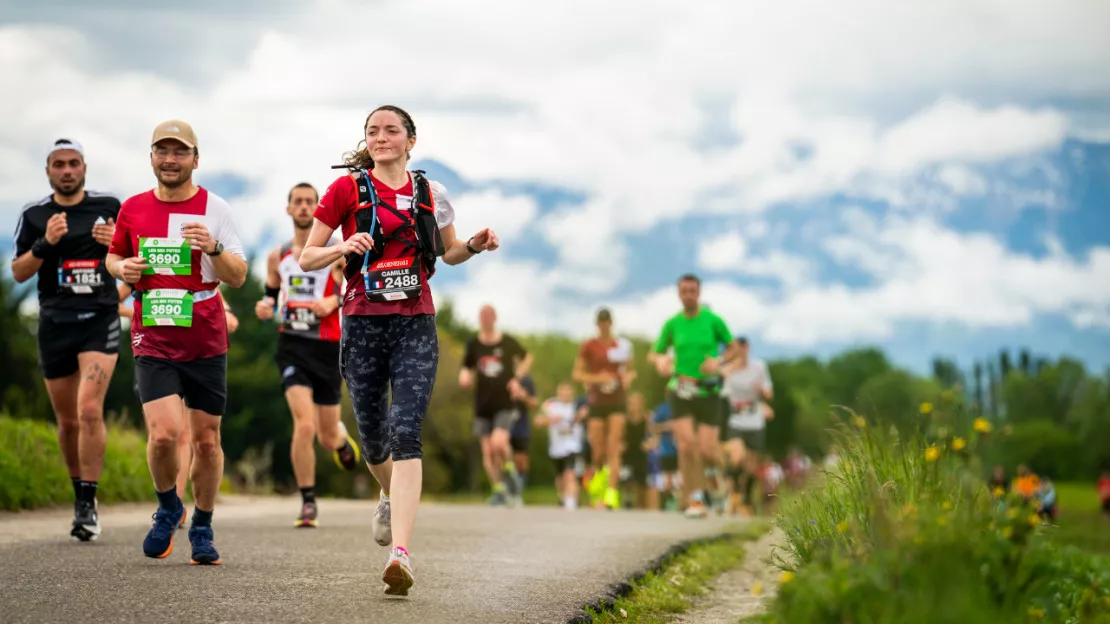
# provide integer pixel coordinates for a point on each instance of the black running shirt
(73, 278)
(495, 366)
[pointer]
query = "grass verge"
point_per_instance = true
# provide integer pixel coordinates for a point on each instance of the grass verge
(906, 531)
(33, 475)
(675, 580)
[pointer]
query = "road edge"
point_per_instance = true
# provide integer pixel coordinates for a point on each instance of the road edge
(606, 602)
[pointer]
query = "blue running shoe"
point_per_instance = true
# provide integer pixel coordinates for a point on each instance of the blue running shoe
(204, 551)
(159, 541)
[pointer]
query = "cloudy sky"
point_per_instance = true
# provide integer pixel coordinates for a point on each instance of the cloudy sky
(931, 176)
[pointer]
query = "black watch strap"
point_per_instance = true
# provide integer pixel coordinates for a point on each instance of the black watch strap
(471, 249)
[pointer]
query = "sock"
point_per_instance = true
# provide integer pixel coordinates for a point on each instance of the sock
(524, 478)
(169, 500)
(384, 496)
(76, 487)
(308, 494)
(510, 468)
(498, 487)
(88, 492)
(698, 496)
(202, 518)
(402, 549)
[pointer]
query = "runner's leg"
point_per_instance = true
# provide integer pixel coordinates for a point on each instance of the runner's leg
(164, 425)
(63, 397)
(689, 464)
(301, 449)
(412, 369)
(614, 449)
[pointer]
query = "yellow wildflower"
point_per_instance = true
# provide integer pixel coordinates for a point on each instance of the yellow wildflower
(786, 577)
(982, 425)
(757, 589)
(842, 526)
(932, 454)
(1036, 613)
(1007, 532)
(942, 521)
(1034, 520)
(946, 505)
(1012, 513)
(926, 408)
(998, 492)
(859, 422)
(958, 444)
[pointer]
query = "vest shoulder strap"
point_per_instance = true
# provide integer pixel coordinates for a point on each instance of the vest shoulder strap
(286, 247)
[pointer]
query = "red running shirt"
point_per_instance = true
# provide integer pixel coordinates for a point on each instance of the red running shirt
(337, 210)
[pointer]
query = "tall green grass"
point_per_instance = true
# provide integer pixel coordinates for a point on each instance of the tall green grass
(32, 473)
(905, 530)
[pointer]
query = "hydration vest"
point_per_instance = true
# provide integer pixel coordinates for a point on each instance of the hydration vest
(420, 220)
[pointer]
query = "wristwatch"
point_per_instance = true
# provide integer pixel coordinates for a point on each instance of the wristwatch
(471, 249)
(218, 250)
(41, 248)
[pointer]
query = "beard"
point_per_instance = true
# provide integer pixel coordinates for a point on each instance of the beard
(68, 189)
(180, 181)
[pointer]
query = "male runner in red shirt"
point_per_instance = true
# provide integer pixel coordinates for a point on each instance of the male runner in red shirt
(176, 243)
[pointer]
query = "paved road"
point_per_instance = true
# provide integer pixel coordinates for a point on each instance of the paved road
(472, 564)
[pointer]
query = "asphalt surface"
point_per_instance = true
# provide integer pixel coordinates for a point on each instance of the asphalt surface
(471, 564)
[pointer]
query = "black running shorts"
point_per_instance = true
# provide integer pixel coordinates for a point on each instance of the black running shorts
(313, 363)
(202, 383)
(61, 341)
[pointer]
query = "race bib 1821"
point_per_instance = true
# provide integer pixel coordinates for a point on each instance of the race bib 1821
(394, 279)
(166, 256)
(167, 307)
(79, 277)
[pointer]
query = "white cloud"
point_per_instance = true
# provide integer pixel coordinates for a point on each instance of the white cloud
(508, 216)
(608, 99)
(722, 253)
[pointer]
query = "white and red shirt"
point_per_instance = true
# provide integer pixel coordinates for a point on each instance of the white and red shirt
(337, 210)
(144, 215)
(303, 288)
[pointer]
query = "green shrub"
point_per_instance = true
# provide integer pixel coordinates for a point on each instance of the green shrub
(905, 530)
(32, 473)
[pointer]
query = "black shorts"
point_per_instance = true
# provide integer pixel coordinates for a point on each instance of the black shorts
(61, 341)
(563, 463)
(520, 444)
(706, 410)
(314, 363)
(202, 383)
(754, 439)
(484, 424)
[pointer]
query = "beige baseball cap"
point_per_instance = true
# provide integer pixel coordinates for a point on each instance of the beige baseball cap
(175, 129)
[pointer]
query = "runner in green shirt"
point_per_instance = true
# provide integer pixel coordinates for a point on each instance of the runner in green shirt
(696, 335)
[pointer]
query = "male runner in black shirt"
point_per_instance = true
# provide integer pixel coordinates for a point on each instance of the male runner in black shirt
(499, 361)
(63, 239)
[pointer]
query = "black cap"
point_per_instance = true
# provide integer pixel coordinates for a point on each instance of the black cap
(604, 315)
(741, 340)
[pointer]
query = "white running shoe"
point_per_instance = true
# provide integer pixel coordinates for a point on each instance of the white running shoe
(383, 523)
(398, 573)
(697, 510)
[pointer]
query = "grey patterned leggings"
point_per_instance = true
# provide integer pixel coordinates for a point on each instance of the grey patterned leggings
(380, 351)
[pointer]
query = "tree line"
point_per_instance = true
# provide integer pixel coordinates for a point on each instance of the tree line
(1054, 413)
